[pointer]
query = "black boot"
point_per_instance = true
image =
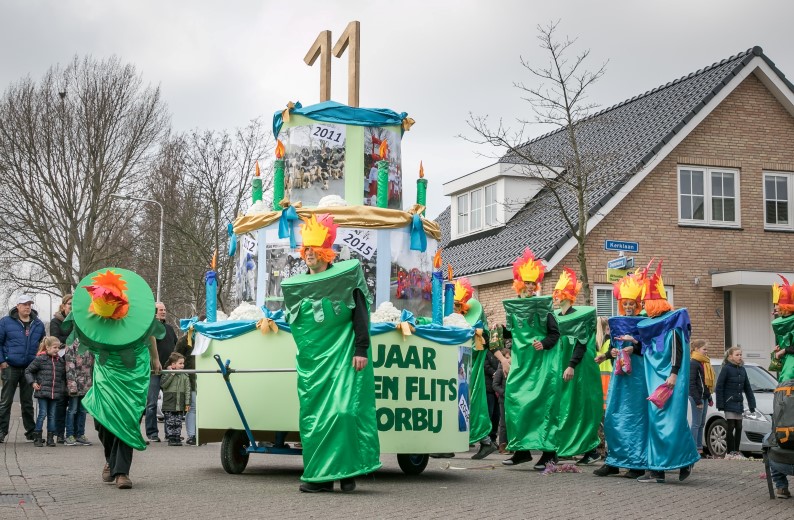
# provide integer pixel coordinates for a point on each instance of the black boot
(51, 439)
(37, 441)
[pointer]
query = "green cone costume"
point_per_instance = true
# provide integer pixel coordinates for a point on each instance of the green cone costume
(337, 404)
(120, 341)
(532, 390)
(479, 420)
(581, 400)
(784, 338)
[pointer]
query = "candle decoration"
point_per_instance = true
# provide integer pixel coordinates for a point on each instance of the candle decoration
(278, 176)
(449, 293)
(437, 294)
(421, 188)
(383, 176)
(256, 186)
(212, 290)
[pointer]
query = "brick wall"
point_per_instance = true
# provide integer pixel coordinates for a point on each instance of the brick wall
(749, 131)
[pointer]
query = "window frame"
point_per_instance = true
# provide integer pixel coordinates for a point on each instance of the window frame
(471, 211)
(789, 176)
(708, 197)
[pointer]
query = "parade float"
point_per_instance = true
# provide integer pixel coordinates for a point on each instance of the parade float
(344, 161)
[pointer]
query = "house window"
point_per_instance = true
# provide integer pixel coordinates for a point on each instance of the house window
(463, 214)
(476, 209)
(607, 305)
(777, 200)
(490, 205)
(708, 196)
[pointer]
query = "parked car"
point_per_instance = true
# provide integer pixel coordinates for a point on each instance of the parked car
(754, 425)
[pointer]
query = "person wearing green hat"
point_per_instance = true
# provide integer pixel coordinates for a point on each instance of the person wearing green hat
(113, 314)
(328, 310)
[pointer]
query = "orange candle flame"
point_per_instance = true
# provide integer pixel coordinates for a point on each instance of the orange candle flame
(279, 149)
(449, 272)
(214, 261)
(437, 260)
(257, 169)
(383, 151)
(421, 170)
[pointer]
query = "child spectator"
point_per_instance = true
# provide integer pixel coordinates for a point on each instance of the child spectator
(79, 374)
(731, 383)
(499, 389)
(176, 398)
(47, 375)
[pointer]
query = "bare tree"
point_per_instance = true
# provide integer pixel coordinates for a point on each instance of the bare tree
(568, 170)
(203, 179)
(67, 142)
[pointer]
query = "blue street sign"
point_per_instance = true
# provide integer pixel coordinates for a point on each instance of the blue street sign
(617, 263)
(620, 245)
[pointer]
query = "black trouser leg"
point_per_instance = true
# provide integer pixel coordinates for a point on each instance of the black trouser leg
(117, 454)
(734, 434)
(493, 412)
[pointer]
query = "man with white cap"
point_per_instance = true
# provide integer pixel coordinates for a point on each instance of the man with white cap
(20, 334)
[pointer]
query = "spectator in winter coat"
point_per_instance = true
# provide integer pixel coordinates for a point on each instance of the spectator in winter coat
(731, 383)
(61, 332)
(56, 323)
(176, 398)
(20, 334)
(701, 384)
(491, 366)
(499, 391)
(190, 364)
(79, 378)
(46, 374)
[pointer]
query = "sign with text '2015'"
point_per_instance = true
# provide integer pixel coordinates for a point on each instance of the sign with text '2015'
(621, 245)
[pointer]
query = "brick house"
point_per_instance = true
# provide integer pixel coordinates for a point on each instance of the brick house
(701, 175)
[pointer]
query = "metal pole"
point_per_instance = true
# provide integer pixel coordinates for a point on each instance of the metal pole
(160, 257)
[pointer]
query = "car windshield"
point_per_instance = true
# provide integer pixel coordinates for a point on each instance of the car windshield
(761, 381)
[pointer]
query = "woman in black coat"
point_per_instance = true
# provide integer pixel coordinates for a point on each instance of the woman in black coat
(731, 383)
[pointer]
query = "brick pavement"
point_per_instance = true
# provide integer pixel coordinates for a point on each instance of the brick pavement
(188, 482)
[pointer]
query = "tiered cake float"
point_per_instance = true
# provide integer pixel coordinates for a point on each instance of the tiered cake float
(344, 161)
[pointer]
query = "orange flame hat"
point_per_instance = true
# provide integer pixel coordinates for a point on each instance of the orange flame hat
(319, 231)
(108, 295)
(463, 293)
(783, 294)
(653, 288)
(629, 287)
(527, 268)
(568, 286)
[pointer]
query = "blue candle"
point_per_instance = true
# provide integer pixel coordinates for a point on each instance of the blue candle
(212, 296)
(449, 298)
(438, 298)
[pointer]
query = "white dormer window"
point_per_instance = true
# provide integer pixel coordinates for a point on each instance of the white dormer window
(476, 209)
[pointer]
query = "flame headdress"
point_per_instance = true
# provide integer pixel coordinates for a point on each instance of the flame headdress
(653, 293)
(463, 293)
(568, 286)
(527, 268)
(783, 295)
(108, 295)
(629, 288)
(319, 233)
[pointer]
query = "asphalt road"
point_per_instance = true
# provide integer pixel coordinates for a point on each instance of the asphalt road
(189, 482)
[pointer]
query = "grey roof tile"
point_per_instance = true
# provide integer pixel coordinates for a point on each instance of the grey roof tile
(626, 136)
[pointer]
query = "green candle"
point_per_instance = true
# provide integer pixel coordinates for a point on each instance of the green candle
(421, 193)
(256, 186)
(278, 183)
(383, 184)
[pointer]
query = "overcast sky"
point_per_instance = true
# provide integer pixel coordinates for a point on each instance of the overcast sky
(220, 64)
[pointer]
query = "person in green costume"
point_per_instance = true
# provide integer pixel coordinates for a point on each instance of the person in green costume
(479, 417)
(113, 317)
(328, 309)
(532, 387)
(783, 326)
(580, 401)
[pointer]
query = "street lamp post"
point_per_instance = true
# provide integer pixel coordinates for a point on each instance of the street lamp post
(160, 256)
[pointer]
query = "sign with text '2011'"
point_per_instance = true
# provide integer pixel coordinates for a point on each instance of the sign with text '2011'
(620, 245)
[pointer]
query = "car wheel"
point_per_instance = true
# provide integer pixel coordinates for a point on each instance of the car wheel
(717, 437)
(412, 464)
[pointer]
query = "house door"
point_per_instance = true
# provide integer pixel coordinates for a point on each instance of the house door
(751, 329)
